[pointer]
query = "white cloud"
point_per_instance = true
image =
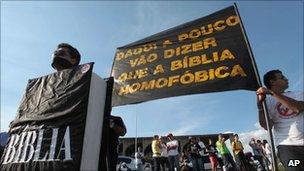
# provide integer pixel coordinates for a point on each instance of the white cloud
(7, 115)
(298, 84)
(186, 129)
(188, 125)
(245, 137)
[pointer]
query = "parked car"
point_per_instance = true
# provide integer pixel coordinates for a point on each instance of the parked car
(126, 163)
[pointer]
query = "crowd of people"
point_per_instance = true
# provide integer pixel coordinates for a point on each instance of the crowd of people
(262, 153)
(168, 155)
(165, 154)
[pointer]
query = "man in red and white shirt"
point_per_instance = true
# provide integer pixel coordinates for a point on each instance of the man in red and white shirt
(286, 111)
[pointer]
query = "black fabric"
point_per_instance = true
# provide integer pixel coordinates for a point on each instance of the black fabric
(164, 163)
(241, 161)
(228, 159)
(104, 152)
(114, 137)
(56, 103)
(193, 149)
(60, 62)
(288, 153)
(145, 70)
(113, 141)
(157, 162)
(113, 159)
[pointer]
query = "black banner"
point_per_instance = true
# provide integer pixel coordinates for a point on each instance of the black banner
(48, 131)
(205, 55)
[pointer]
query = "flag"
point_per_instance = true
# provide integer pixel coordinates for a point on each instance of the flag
(205, 55)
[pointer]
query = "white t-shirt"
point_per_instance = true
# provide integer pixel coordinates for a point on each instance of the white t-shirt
(139, 155)
(267, 149)
(288, 125)
(172, 152)
(164, 152)
(202, 145)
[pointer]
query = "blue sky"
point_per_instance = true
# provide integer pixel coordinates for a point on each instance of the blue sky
(30, 32)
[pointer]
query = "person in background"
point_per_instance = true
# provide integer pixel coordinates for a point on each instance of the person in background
(264, 158)
(225, 153)
(117, 129)
(202, 152)
(65, 57)
(286, 114)
(139, 154)
(210, 149)
(156, 150)
(193, 151)
(139, 158)
(267, 152)
(237, 148)
(257, 152)
(173, 153)
(164, 154)
(185, 164)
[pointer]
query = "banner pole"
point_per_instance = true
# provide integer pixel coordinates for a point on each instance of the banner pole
(112, 68)
(270, 136)
(104, 152)
(135, 129)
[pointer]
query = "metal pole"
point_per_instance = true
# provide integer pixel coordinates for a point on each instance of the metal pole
(104, 154)
(273, 155)
(135, 130)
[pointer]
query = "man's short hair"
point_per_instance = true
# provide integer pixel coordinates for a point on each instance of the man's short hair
(73, 51)
(270, 75)
(169, 135)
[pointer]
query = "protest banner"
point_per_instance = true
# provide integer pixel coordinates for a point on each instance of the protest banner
(209, 54)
